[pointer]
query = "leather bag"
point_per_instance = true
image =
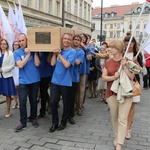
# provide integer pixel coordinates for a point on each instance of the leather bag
(137, 88)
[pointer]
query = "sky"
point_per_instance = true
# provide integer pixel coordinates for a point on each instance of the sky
(107, 3)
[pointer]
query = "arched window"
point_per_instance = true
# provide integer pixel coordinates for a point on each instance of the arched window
(138, 9)
(106, 15)
(112, 14)
(147, 9)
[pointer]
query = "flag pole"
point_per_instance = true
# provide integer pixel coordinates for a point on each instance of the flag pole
(133, 34)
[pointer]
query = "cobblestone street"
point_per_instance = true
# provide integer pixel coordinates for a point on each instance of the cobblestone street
(92, 131)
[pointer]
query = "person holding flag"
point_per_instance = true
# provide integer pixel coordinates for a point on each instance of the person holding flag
(119, 111)
(131, 55)
(5, 28)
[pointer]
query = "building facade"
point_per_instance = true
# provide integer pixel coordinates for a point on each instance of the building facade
(49, 13)
(118, 20)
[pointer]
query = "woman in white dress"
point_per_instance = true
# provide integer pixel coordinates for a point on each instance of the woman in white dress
(133, 49)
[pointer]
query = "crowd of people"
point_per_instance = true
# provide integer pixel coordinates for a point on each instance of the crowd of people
(68, 72)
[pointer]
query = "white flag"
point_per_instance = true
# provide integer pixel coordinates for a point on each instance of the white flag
(146, 46)
(147, 29)
(12, 21)
(21, 23)
(5, 28)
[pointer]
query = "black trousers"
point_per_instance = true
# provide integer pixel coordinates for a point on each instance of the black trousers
(56, 91)
(44, 84)
(146, 78)
(73, 91)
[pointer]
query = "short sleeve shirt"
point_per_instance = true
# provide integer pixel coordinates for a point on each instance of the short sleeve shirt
(79, 56)
(63, 76)
(29, 73)
(112, 67)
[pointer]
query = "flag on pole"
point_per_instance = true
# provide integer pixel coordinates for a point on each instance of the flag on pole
(12, 21)
(146, 47)
(1, 29)
(21, 23)
(147, 29)
(16, 15)
(5, 28)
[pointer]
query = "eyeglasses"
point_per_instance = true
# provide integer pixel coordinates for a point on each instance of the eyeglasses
(67, 39)
(76, 39)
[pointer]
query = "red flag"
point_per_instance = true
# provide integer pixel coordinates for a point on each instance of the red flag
(148, 1)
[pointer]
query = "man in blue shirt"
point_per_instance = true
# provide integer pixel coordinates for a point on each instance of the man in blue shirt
(80, 54)
(28, 82)
(62, 80)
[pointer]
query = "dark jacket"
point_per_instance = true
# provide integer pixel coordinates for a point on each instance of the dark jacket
(98, 67)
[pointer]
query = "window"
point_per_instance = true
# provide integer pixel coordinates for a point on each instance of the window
(145, 34)
(104, 33)
(138, 9)
(57, 8)
(49, 6)
(93, 24)
(137, 33)
(98, 38)
(130, 26)
(146, 9)
(118, 26)
(105, 26)
(38, 4)
(68, 6)
(84, 10)
(111, 26)
(112, 14)
(106, 15)
(27, 3)
(118, 34)
(89, 10)
(111, 34)
(138, 26)
(75, 7)
(145, 26)
(80, 10)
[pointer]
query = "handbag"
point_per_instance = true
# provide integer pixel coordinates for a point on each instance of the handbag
(137, 88)
(144, 70)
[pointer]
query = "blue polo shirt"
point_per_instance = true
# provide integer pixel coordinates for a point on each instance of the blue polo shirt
(63, 76)
(45, 68)
(83, 65)
(80, 55)
(29, 73)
